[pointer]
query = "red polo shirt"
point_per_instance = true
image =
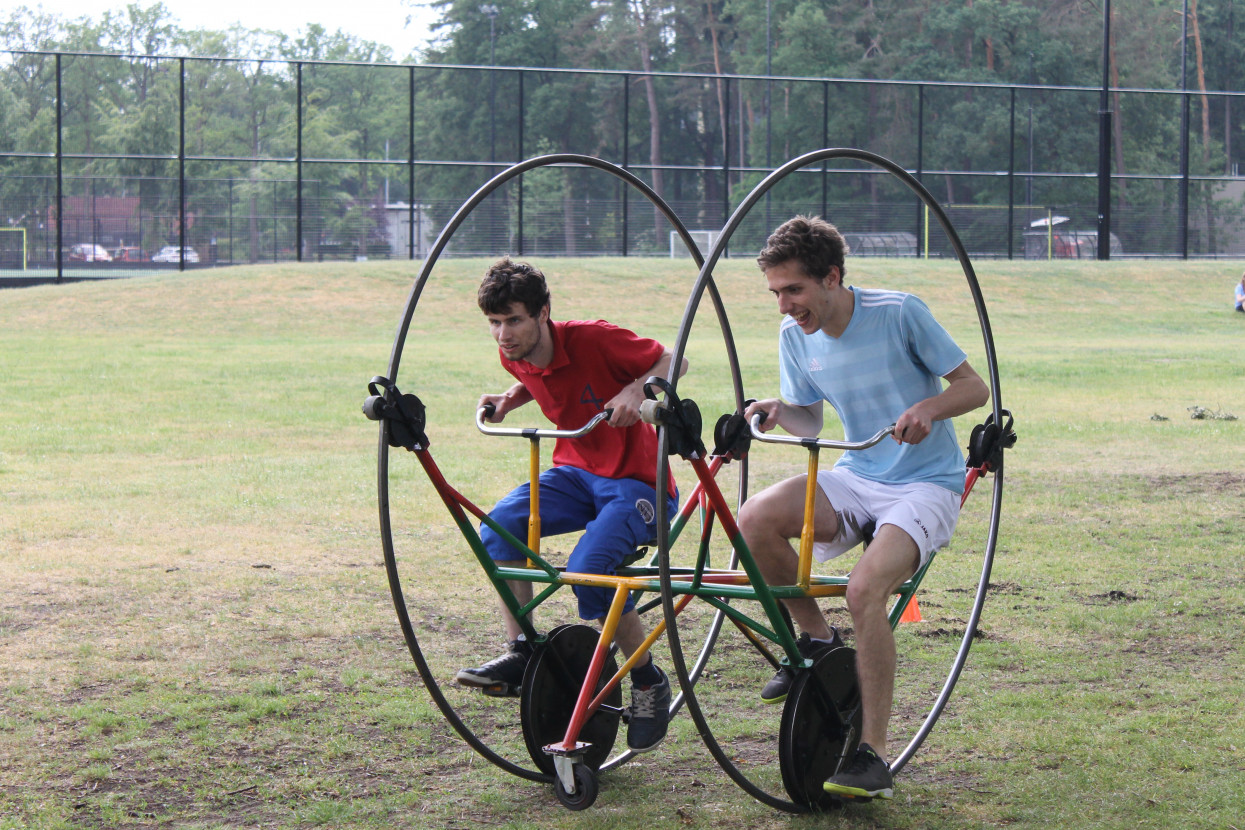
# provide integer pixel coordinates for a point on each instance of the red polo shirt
(592, 361)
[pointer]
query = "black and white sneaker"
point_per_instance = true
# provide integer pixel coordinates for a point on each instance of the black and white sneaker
(867, 776)
(502, 676)
(649, 715)
(776, 689)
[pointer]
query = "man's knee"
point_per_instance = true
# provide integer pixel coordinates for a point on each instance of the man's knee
(767, 513)
(499, 548)
(751, 519)
(862, 593)
(880, 572)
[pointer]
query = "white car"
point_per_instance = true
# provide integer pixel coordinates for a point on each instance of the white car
(169, 254)
(86, 252)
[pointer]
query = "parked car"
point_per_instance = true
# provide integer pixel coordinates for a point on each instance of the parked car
(86, 252)
(895, 243)
(169, 254)
(1059, 244)
(128, 253)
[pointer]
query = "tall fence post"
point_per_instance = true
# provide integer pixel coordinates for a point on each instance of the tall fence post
(1183, 209)
(1011, 175)
(726, 157)
(298, 161)
(1104, 140)
(181, 164)
(825, 142)
(60, 174)
(921, 235)
(626, 161)
(519, 184)
(410, 163)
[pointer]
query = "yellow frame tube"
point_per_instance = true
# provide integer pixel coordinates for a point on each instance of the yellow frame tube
(806, 532)
(612, 617)
(533, 511)
(644, 648)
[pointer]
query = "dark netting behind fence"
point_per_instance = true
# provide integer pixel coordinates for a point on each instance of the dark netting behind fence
(220, 162)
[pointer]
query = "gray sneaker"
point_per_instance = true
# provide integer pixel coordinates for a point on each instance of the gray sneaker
(649, 715)
(776, 689)
(502, 676)
(867, 776)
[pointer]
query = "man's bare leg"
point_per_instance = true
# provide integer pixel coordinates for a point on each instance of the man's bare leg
(890, 560)
(630, 634)
(522, 592)
(769, 521)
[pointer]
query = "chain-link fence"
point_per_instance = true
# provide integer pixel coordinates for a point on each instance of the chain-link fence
(183, 176)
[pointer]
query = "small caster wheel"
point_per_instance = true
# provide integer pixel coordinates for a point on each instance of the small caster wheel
(585, 789)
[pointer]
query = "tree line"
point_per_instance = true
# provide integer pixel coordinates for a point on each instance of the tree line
(253, 99)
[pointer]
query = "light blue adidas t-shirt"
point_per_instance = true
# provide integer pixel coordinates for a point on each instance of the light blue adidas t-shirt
(892, 355)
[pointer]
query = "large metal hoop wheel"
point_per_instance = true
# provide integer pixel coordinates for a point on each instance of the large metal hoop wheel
(764, 791)
(452, 713)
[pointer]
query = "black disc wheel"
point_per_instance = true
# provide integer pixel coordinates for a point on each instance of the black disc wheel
(820, 727)
(585, 789)
(551, 686)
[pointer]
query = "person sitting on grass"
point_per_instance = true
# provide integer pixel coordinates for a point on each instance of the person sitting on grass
(603, 483)
(879, 358)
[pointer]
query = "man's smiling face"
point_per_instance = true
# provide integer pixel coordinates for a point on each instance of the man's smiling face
(808, 301)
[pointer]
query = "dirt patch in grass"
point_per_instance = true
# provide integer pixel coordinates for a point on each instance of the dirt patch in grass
(1194, 483)
(951, 633)
(1111, 597)
(930, 775)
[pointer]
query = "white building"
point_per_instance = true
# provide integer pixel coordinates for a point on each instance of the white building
(398, 218)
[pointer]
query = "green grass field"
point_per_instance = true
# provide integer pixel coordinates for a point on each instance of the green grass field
(196, 629)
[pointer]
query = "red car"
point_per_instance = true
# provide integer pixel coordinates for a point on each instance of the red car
(128, 253)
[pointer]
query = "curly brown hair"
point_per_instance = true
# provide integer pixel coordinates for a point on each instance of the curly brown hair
(507, 282)
(809, 240)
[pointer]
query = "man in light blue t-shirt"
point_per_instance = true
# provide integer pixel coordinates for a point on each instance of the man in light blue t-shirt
(879, 358)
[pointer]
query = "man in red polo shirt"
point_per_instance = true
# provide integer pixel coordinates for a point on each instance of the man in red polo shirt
(602, 483)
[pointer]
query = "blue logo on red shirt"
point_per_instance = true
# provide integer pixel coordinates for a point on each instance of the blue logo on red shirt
(589, 397)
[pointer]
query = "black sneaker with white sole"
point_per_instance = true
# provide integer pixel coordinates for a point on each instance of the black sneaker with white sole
(776, 689)
(502, 676)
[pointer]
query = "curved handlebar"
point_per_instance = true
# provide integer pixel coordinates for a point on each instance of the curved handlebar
(532, 432)
(823, 443)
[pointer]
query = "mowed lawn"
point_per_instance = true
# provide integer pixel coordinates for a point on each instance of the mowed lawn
(196, 628)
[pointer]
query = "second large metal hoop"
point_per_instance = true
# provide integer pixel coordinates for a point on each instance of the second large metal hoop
(705, 282)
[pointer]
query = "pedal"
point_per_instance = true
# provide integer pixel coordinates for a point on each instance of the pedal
(500, 690)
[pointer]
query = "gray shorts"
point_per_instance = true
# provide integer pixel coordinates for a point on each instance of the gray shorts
(926, 512)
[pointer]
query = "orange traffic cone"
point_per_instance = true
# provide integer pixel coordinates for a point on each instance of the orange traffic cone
(911, 612)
